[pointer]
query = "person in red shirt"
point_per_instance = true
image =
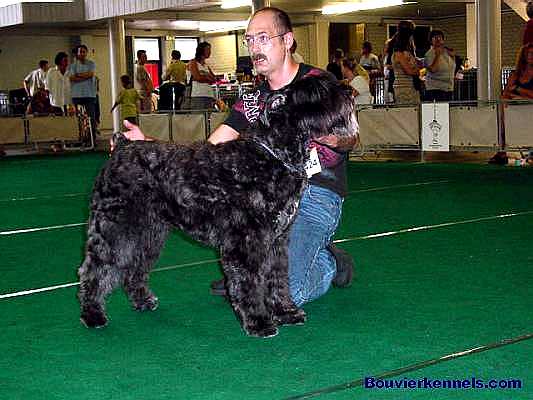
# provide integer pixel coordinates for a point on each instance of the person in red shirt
(528, 32)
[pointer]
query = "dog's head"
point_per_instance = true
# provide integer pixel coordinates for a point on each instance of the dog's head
(309, 108)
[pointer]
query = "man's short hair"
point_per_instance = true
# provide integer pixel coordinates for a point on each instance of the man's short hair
(435, 33)
(176, 55)
(338, 54)
(367, 45)
(140, 52)
(43, 63)
(59, 57)
(281, 19)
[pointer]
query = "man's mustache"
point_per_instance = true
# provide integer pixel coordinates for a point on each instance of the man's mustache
(257, 56)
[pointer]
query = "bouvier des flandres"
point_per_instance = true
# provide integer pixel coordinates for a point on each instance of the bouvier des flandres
(239, 197)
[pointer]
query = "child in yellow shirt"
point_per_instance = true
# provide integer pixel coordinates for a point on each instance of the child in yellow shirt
(129, 101)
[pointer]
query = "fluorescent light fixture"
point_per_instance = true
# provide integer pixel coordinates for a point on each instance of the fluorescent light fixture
(360, 5)
(222, 26)
(185, 25)
(235, 3)
(4, 3)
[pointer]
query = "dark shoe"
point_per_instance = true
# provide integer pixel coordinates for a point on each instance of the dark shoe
(499, 158)
(345, 267)
(218, 288)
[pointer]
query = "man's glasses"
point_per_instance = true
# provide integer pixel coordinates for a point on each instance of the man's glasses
(263, 39)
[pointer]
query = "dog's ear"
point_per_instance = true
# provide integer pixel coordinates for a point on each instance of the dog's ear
(273, 105)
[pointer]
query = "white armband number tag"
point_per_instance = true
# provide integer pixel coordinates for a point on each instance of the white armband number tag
(312, 166)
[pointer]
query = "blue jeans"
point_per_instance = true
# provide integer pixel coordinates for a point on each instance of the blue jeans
(312, 267)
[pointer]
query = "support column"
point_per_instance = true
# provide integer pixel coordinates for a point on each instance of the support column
(117, 60)
(471, 35)
(489, 54)
(259, 4)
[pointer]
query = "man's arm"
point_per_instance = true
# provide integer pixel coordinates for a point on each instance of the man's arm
(343, 143)
(223, 133)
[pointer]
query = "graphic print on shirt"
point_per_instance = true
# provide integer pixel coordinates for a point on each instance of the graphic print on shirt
(251, 105)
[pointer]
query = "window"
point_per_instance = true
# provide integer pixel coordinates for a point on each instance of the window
(151, 45)
(186, 46)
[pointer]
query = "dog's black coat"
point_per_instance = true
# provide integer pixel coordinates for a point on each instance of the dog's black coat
(239, 196)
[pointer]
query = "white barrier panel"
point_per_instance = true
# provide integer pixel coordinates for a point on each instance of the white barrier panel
(474, 126)
(216, 119)
(518, 125)
(188, 128)
(155, 125)
(11, 130)
(48, 129)
(389, 126)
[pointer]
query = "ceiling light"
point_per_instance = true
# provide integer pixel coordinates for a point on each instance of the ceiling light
(222, 26)
(342, 8)
(236, 3)
(4, 3)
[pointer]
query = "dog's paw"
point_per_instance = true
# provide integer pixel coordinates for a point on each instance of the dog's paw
(263, 329)
(93, 319)
(149, 304)
(291, 317)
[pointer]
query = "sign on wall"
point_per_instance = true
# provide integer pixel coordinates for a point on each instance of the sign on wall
(435, 127)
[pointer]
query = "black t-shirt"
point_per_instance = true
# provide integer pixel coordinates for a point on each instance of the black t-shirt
(252, 103)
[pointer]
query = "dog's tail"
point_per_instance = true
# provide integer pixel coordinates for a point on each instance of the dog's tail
(118, 139)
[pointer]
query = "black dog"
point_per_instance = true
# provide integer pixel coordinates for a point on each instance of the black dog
(239, 197)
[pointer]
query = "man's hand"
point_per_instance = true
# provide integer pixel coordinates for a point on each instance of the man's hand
(133, 131)
(343, 143)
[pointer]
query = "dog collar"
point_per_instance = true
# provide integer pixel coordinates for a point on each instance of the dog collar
(268, 150)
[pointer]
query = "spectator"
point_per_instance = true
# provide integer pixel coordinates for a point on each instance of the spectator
(528, 32)
(58, 84)
(176, 70)
(357, 77)
(440, 63)
(520, 83)
(369, 60)
(335, 67)
(404, 64)
(202, 77)
(298, 59)
(40, 104)
(83, 84)
(388, 72)
(129, 100)
(519, 87)
(143, 82)
(35, 80)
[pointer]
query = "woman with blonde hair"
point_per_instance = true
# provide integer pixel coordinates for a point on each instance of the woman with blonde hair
(357, 77)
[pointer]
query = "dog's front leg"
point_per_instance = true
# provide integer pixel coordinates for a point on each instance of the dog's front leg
(247, 291)
(284, 310)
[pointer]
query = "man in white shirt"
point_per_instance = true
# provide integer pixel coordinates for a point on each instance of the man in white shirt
(35, 79)
(58, 84)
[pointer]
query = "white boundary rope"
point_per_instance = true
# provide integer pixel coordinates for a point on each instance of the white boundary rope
(366, 237)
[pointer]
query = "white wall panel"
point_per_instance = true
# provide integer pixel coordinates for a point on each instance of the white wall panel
(11, 15)
(223, 54)
(21, 54)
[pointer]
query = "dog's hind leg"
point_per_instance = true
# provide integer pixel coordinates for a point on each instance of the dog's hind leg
(97, 279)
(278, 298)
(246, 290)
(145, 254)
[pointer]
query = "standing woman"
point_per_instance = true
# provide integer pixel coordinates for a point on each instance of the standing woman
(202, 94)
(404, 64)
(357, 77)
(440, 64)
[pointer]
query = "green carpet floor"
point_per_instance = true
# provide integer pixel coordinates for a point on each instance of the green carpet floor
(451, 271)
